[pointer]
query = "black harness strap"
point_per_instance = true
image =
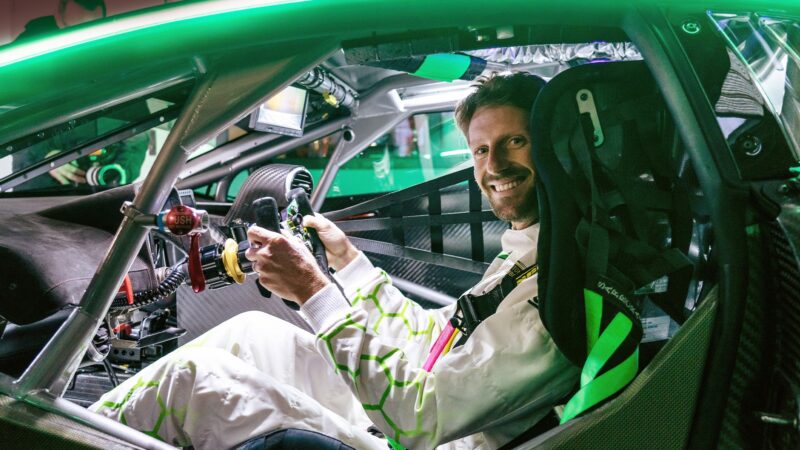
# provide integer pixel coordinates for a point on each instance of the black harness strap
(474, 309)
(474, 218)
(403, 195)
(436, 259)
(607, 239)
(613, 238)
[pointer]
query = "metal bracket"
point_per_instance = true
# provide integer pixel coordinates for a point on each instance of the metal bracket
(586, 105)
(130, 211)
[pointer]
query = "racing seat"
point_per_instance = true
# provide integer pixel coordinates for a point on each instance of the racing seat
(618, 216)
(42, 280)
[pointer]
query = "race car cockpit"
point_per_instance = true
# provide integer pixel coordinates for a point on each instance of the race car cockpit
(663, 202)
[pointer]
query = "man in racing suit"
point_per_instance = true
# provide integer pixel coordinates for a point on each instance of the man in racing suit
(377, 358)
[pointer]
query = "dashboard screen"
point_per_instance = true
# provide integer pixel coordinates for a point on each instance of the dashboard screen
(285, 113)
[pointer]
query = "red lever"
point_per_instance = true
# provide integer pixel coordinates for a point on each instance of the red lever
(123, 329)
(127, 289)
(195, 267)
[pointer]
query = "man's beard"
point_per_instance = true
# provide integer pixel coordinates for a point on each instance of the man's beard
(524, 210)
(519, 208)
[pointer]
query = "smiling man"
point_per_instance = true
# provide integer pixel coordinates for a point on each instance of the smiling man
(378, 364)
(495, 121)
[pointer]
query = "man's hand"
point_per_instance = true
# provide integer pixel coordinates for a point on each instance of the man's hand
(67, 173)
(339, 249)
(284, 265)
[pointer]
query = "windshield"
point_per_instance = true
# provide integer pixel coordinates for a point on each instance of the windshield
(768, 49)
(109, 148)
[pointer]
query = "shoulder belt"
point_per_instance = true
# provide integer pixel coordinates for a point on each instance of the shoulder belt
(474, 309)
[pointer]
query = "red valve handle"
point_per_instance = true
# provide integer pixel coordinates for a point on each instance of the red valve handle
(182, 220)
(195, 267)
(127, 289)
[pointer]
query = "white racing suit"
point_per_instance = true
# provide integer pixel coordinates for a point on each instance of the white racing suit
(255, 373)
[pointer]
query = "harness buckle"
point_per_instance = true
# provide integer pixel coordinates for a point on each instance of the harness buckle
(469, 319)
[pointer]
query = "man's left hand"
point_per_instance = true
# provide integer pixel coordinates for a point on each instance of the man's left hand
(284, 265)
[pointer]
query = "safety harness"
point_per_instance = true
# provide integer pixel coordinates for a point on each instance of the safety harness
(474, 309)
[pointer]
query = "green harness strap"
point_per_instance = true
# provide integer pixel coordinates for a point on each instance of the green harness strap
(601, 347)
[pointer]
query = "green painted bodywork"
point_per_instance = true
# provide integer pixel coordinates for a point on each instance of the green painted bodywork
(38, 90)
(47, 82)
(146, 47)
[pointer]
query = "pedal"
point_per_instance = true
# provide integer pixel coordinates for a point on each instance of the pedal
(160, 337)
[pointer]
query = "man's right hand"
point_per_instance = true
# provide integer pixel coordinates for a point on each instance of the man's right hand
(68, 173)
(339, 249)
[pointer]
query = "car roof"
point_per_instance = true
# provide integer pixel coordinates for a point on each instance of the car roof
(107, 62)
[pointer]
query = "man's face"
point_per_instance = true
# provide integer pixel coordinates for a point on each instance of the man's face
(501, 146)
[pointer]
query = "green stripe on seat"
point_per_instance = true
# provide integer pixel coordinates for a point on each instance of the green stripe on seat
(603, 387)
(614, 335)
(600, 348)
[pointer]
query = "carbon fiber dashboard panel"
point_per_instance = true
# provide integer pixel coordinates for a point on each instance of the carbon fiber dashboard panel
(197, 313)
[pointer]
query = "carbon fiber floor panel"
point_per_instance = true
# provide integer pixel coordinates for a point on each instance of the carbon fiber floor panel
(87, 388)
(25, 427)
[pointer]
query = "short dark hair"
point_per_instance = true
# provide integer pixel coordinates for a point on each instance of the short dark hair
(518, 89)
